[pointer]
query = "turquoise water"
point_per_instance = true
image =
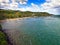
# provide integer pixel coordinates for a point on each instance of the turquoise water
(34, 31)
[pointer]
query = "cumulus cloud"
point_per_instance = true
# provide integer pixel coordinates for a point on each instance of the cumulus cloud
(6, 4)
(50, 6)
(23, 1)
(53, 5)
(20, 1)
(4, 1)
(33, 7)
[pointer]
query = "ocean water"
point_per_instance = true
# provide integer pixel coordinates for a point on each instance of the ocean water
(33, 31)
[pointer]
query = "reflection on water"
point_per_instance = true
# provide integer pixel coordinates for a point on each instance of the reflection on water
(33, 31)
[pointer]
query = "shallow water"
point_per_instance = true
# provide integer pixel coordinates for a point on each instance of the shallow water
(34, 31)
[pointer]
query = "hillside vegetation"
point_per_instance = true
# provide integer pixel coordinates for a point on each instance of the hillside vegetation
(17, 14)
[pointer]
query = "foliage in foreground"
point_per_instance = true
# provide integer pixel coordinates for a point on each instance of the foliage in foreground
(3, 38)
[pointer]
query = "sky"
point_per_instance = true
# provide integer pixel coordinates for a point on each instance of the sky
(50, 6)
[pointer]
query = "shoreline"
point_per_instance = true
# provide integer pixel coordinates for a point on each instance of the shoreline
(15, 19)
(6, 36)
(21, 18)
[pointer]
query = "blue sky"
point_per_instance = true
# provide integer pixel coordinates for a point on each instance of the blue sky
(38, 2)
(50, 6)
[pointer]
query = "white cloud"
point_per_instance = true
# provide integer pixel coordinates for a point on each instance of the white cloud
(14, 5)
(33, 8)
(4, 1)
(6, 4)
(52, 6)
(23, 1)
(20, 1)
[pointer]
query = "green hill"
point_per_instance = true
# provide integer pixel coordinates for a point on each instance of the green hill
(17, 14)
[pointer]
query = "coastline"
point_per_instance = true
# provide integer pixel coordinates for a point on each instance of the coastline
(21, 18)
(4, 36)
(15, 19)
(7, 38)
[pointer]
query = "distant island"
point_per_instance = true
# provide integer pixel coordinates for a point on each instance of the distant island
(7, 14)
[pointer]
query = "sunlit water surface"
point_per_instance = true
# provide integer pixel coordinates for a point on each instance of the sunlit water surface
(33, 31)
